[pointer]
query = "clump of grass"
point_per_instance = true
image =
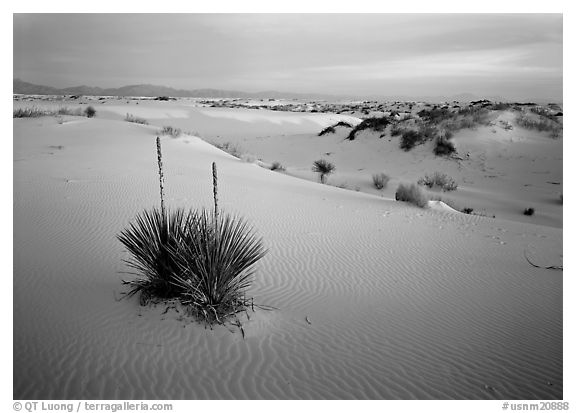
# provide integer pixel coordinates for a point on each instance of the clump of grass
(412, 194)
(30, 112)
(277, 166)
(90, 112)
(380, 180)
(529, 211)
(323, 168)
(440, 180)
(467, 210)
(204, 260)
(135, 119)
(539, 123)
(64, 110)
(171, 131)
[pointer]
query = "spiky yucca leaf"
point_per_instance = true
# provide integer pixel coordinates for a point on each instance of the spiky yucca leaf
(323, 168)
(215, 264)
(149, 240)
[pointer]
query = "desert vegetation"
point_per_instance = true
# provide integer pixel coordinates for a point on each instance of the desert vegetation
(375, 124)
(412, 194)
(529, 211)
(438, 180)
(277, 166)
(323, 168)
(90, 112)
(202, 259)
(135, 119)
(230, 148)
(536, 121)
(380, 180)
(170, 131)
(36, 112)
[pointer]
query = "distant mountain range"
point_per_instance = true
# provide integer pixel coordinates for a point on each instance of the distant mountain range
(26, 88)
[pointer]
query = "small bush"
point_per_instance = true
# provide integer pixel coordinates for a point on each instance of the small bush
(440, 180)
(444, 146)
(468, 210)
(134, 119)
(412, 194)
(323, 168)
(90, 112)
(540, 124)
(171, 131)
(277, 166)
(409, 139)
(67, 111)
(529, 211)
(380, 180)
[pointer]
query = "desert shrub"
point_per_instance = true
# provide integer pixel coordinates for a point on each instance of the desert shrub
(323, 168)
(529, 211)
(134, 119)
(375, 124)
(468, 210)
(444, 146)
(171, 131)
(230, 148)
(439, 180)
(412, 194)
(409, 139)
(277, 166)
(90, 112)
(329, 129)
(380, 180)
(395, 130)
(64, 110)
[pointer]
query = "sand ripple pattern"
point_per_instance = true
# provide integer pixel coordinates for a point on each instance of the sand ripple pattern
(376, 299)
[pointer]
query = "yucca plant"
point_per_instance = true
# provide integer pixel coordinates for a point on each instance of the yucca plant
(204, 260)
(323, 168)
(150, 240)
(215, 260)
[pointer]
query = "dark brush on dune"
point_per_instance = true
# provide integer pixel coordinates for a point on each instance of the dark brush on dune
(332, 128)
(375, 124)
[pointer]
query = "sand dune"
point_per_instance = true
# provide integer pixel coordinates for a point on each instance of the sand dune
(375, 299)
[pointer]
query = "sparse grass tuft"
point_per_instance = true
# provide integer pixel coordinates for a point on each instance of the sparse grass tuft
(323, 168)
(30, 112)
(171, 131)
(412, 194)
(439, 180)
(380, 180)
(134, 119)
(230, 148)
(539, 123)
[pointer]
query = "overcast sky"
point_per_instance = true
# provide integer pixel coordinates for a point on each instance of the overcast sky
(515, 56)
